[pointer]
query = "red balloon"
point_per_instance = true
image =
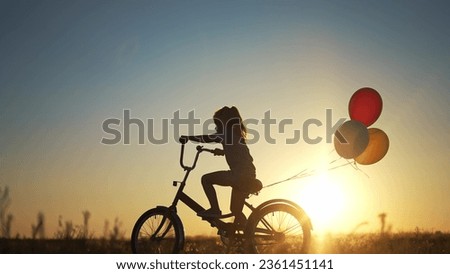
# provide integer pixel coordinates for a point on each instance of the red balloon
(365, 106)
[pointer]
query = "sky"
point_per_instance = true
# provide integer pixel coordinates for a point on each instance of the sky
(68, 66)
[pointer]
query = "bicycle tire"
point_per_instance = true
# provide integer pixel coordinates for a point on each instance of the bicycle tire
(158, 231)
(278, 228)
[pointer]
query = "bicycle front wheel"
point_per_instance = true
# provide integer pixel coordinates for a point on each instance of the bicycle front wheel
(158, 231)
(279, 228)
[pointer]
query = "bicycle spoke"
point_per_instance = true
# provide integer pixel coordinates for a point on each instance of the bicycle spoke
(279, 229)
(157, 231)
(296, 226)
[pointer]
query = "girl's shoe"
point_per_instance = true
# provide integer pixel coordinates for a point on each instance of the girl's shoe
(210, 213)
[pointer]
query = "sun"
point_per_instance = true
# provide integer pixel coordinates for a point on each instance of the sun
(324, 202)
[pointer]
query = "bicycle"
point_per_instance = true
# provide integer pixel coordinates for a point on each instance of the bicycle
(275, 226)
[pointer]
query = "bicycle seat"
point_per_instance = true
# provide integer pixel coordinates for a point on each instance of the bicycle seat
(252, 187)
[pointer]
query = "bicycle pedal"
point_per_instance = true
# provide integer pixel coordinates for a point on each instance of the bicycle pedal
(210, 219)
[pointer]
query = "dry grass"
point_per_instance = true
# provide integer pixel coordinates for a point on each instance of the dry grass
(395, 243)
(58, 246)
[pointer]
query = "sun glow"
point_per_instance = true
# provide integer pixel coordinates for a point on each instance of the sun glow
(324, 202)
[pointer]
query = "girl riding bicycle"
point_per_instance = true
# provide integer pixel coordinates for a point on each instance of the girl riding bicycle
(231, 133)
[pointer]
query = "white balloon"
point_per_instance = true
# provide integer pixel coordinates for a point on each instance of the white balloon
(351, 139)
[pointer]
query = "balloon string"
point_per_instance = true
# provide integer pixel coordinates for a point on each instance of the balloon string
(299, 175)
(342, 165)
(357, 168)
(305, 173)
(335, 160)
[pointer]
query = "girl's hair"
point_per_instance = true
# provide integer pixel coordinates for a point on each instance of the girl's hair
(229, 121)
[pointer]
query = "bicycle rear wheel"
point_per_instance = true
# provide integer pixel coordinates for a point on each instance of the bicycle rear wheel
(158, 231)
(279, 228)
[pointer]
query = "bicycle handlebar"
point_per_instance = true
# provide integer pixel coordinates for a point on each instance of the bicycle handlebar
(206, 149)
(200, 149)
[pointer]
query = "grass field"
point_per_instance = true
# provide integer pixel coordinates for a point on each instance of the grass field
(394, 243)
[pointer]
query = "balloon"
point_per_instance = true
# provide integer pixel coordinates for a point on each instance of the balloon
(376, 149)
(351, 139)
(365, 106)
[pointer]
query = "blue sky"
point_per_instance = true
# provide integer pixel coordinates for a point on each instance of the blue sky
(66, 66)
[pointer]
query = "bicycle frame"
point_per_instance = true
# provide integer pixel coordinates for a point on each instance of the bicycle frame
(183, 197)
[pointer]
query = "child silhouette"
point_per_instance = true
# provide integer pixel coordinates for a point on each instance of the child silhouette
(231, 133)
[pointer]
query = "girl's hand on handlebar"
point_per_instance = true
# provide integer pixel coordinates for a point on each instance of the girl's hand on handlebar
(218, 152)
(184, 139)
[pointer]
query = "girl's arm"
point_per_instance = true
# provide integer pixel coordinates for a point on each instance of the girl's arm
(213, 138)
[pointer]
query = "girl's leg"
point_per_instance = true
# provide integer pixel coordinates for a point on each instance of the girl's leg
(236, 206)
(238, 197)
(223, 178)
